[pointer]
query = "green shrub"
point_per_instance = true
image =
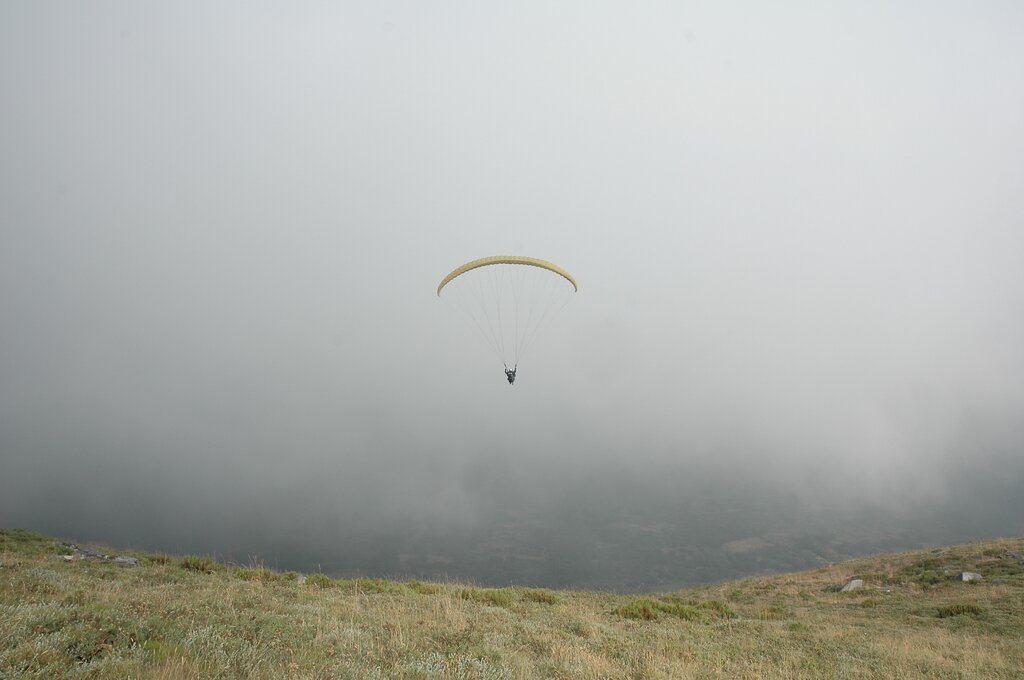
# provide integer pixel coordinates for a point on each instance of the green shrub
(927, 572)
(719, 607)
(496, 597)
(642, 609)
(647, 609)
(540, 595)
(203, 565)
(959, 609)
(423, 588)
(320, 581)
(379, 585)
(929, 578)
(680, 611)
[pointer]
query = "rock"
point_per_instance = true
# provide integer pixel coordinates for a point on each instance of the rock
(1009, 554)
(855, 584)
(969, 576)
(301, 579)
(90, 554)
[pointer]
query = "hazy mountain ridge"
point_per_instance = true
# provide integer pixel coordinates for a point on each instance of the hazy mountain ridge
(591, 542)
(609, 527)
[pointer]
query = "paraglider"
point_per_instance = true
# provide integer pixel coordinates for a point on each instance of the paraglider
(508, 299)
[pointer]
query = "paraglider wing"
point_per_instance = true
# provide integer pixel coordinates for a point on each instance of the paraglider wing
(507, 259)
(508, 298)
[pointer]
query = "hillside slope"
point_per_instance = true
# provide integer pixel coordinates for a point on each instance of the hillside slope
(78, 613)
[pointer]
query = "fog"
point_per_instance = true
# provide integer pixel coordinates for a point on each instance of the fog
(797, 232)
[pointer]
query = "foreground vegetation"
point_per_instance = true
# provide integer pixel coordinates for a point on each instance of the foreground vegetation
(191, 618)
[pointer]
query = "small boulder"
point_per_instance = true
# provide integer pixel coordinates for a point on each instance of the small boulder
(970, 576)
(1009, 554)
(126, 562)
(301, 579)
(855, 584)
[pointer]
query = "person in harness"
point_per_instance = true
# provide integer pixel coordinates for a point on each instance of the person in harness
(510, 374)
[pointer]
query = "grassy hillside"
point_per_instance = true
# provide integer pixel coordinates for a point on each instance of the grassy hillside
(190, 617)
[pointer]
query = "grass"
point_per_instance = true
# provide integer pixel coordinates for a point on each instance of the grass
(190, 618)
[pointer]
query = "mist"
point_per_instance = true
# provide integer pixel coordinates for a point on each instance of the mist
(797, 233)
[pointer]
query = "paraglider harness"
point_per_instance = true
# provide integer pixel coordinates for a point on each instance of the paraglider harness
(511, 375)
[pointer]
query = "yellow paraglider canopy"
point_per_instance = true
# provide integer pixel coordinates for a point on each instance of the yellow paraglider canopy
(508, 259)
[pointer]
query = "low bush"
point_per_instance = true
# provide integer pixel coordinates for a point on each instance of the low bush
(496, 597)
(680, 611)
(423, 588)
(718, 607)
(203, 565)
(539, 595)
(378, 585)
(647, 609)
(929, 578)
(320, 581)
(959, 609)
(642, 609)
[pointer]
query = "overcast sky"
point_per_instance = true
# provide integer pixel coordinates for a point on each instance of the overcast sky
(797, 229)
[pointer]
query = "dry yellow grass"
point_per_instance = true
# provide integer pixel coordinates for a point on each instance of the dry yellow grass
(92, 619)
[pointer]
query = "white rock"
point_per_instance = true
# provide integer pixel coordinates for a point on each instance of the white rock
(855, 584)
(970, 576)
